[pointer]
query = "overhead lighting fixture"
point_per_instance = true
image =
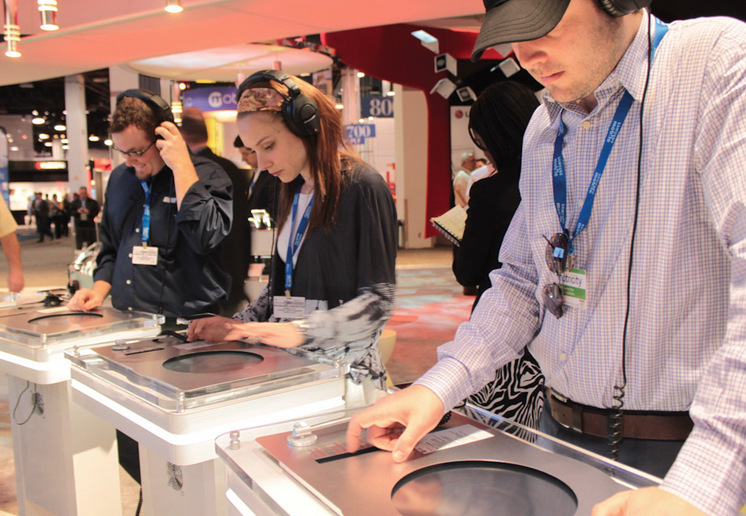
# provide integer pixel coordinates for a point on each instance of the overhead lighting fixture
(60, 127)
(43, 136)
(428, 41)
(93, 138)
(37, 120)
(177, 109)
(339, 105)
(48, 10)
(173, 6)
(12, 30)
(47, 144)
(361, 74)
(108, 142)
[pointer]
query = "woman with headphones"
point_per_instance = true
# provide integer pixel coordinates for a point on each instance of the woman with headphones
(332, 279)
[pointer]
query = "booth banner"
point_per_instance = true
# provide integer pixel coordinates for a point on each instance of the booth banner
(219, 98)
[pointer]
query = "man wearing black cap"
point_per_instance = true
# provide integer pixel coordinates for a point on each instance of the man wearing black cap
(646, 221)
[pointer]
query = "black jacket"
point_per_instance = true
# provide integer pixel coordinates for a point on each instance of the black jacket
(188, 278)
(492, 203)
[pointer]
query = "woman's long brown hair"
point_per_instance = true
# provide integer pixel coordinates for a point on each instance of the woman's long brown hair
(329, 156)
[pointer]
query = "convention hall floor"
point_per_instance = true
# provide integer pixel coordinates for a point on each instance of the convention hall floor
(429, 307)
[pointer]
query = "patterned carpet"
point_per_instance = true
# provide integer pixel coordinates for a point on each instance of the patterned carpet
(429, 307)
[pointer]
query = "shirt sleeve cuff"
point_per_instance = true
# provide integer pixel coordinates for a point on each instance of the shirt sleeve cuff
(448, 379)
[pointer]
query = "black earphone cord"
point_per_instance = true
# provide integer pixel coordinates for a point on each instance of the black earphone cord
(616, 430)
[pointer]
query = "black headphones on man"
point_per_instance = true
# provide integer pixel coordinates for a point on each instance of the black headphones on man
(299, 112)
(151, 99)
(619, 8)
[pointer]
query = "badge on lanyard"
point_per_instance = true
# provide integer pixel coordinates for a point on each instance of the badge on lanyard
(145, 255)
(287, 306)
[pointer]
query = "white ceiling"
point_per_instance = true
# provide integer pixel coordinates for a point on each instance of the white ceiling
(97, 34)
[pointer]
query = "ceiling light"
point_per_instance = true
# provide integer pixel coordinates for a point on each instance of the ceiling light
(108, 142)
(37, 120)
(390, 93)
(65, 147)
(60, 127)
(173, 6)
(12, 30)
(43, 136)
(47, 144)
(361, 74)
(339, 105)
(93, 138)
(63, 140)
(48, 10)
(14, 149)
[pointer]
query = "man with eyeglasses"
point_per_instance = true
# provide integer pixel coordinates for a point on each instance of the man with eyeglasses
(164, 219)
(624, 268)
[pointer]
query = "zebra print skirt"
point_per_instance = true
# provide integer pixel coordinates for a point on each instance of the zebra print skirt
(516, 394)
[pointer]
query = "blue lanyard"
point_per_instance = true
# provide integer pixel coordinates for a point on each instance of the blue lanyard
(146, 213)
(294, 241)
(559, 179)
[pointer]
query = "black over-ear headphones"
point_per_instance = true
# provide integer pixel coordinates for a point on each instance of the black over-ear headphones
(622, 7)
(300, 113)
(151, 99)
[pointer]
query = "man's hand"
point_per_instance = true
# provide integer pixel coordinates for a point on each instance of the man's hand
(175, 154)
(650, 501)
(397, 422)
(85, 300)
(15, 279)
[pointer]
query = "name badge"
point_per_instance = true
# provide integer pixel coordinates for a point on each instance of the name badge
(573, 288)
(289, 307)
(144, 255)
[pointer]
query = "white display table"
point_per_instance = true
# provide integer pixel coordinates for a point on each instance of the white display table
(175, 398)
(65, 459)
(464, 468)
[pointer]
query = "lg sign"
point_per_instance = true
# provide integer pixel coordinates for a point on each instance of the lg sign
(218, 100)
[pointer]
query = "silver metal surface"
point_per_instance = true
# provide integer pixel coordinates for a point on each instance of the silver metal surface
(498, 475)
(177, 375)
(37, 327)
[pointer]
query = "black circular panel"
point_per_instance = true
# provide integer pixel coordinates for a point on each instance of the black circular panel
(220, 361)
(476, 488)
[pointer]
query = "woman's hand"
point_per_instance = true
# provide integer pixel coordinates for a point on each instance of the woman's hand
(213, 329)
(281, 335)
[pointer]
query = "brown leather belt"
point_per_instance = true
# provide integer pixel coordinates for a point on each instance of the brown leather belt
(659, 426)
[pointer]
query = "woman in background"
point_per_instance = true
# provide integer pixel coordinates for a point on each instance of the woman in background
(497, 121)
(331, 288)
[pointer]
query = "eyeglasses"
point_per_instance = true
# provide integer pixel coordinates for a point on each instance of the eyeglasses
(557, 251)
(134, 153)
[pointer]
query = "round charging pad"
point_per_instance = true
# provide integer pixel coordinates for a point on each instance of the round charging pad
(220, 361)
(477, 488)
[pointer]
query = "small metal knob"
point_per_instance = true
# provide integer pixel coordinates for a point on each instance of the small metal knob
(302, 435)
(235, 441)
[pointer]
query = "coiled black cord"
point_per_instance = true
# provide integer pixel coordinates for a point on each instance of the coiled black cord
(615, 423)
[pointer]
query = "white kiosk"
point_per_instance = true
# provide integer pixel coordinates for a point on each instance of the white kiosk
(175, 397)
(463, 468)
(65, 459)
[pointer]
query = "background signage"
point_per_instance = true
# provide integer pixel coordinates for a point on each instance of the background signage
(357, 133)
(380, 107)
(219, 98)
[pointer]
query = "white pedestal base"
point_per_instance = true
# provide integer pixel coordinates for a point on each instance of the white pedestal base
(65, 459)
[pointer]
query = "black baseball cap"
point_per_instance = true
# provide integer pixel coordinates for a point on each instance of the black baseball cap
(511, 21)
